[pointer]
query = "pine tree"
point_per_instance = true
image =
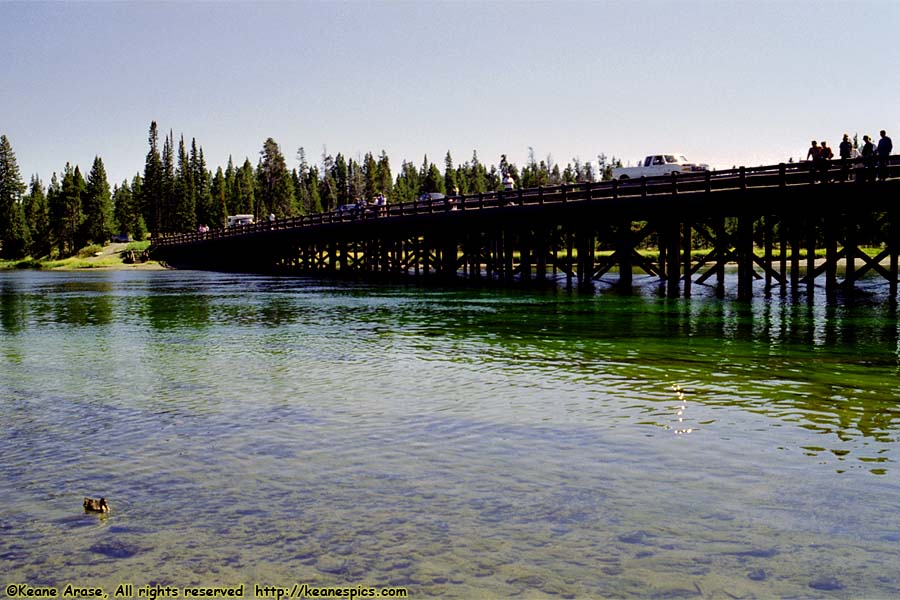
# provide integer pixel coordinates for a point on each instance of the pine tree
(138, 225)
(450, 176)
(328, 192)
(185, 204)
(341, 179)
(543, 173)
(74, 208)
(513, 171)
(202, 192)
(276, 190)
(423, 176)
(462, 178)
(385, 179)
(301, 188)
(356, 181)
(168, 204)
(151, 196)
(587, 173)
(245, 189)
(232, 198)
(370, 175)
(406, 188)
(478, 182)
(126, 215)
(17, 238)
(312, 187)
(433, 180)
(65, 210)
(528, 177)
(504, 165)
(122, 202)
(328, 186)
(219, 204)
(13, 230)
(300, 196)
(97, 225)
(494, 179)
(55, 212)
(555, 176)
(37, 218)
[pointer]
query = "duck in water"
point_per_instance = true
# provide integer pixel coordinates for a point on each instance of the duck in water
(96, 505)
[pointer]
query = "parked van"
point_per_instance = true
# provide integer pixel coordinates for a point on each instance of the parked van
(237, 220)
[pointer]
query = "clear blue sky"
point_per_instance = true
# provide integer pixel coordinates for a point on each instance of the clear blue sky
(726, 83)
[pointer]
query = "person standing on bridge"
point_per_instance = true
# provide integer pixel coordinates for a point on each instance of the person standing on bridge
(825, 155)
(868, 158)
(508, 186)
(846, 147)
(884, 154)
(846, 151)
(814, 154)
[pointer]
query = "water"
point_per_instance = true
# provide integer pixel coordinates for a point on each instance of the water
(458, 443)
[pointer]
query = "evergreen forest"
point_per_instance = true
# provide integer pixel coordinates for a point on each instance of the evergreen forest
(178, 192)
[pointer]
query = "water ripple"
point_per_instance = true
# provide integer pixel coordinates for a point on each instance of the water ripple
(460, 443)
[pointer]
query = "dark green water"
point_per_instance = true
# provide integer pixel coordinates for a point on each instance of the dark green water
(459, 443)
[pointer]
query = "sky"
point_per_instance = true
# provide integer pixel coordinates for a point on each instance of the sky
(724, 82)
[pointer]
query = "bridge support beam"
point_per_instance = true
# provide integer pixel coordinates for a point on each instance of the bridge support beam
(795, 254)
(686, 263)
(810, 259)
(850, 250)
(624, 248)
(894, 245)
(673, 264)
(541, 257)
(831, 256)
(745, 257)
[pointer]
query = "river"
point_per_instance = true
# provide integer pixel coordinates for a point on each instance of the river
(458, 443)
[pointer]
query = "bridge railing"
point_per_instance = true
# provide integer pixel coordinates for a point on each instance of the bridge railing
(781, 175)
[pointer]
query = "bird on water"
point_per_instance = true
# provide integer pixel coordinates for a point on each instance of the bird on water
(96, 505)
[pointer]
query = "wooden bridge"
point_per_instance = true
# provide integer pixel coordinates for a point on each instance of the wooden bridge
(684, 229)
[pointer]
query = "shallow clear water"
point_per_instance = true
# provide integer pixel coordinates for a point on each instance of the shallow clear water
(459, 443)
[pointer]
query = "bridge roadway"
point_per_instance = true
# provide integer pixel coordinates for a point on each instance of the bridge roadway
(768, 221)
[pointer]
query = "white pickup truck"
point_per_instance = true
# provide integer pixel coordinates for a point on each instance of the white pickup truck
(658, 164)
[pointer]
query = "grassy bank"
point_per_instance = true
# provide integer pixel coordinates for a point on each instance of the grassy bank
(112, 256)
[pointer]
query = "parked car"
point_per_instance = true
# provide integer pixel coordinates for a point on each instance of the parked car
(357, 210)
(437, 199)
(431, 196)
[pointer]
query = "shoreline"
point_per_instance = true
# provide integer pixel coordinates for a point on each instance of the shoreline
(109, 258)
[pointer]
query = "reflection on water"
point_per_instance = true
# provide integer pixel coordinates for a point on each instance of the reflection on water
(461, 443)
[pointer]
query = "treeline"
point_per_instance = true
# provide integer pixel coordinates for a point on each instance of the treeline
(177, 192)
(70, 214)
